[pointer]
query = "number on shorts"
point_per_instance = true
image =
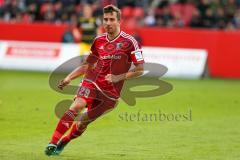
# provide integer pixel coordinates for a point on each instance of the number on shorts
(84, 92)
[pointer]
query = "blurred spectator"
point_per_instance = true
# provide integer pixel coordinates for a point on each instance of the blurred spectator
(88, 26)
(165, 18)
(32, 11)
(196, 21)
(71, 35)
(220, 18)
(10, 10)
(150, 18)
(208, 18)
(230, 8)
(215, 5)
(202, 6)
(236, 19)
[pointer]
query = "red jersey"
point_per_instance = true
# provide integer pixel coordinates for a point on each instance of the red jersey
(112, 57)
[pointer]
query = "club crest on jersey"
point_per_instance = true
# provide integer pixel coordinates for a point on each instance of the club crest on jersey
(118, 46)
(111, 57)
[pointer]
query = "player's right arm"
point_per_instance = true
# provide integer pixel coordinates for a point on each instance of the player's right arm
(79, 71)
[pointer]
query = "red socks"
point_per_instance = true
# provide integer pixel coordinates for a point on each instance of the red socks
(63, 125)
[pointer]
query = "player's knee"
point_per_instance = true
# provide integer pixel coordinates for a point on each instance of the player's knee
(82, 125)
(78, 105)
(83, 122)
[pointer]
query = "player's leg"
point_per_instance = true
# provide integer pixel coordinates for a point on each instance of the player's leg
(78, 128)
(89, 116)
(65, 123)
(67, 119)
(94, 111)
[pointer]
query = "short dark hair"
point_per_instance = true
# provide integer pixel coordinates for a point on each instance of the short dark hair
(111, 8)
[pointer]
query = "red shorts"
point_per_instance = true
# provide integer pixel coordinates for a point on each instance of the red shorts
(97, 102)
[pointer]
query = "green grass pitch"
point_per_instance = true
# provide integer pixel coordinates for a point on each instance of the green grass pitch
(27, 121)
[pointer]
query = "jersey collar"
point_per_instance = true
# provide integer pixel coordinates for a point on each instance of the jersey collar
(114, 38)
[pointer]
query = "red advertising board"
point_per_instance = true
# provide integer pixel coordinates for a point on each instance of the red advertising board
(223, 47)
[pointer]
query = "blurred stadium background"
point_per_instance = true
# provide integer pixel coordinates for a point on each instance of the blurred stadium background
(198, 41)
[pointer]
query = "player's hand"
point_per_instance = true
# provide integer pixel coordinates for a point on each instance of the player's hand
(111, 78)
(63, 83)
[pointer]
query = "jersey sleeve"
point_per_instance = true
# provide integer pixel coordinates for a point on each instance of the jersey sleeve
(136, 53)
(93, 56)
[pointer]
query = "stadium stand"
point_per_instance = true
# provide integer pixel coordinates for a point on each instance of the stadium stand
(211, 14)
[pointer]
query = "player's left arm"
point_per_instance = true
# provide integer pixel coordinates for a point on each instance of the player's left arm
(135, 72)
(137, 59)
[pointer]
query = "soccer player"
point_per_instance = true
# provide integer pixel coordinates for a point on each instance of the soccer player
(105, 69)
